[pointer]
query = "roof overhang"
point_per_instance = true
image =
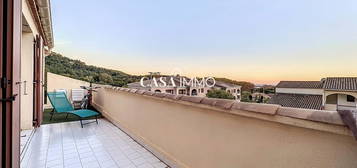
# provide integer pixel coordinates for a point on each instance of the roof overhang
(41, 10)
(340, 90)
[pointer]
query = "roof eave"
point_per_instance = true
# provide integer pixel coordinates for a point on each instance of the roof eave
(41, 10)
(340, 90)
(46, 20)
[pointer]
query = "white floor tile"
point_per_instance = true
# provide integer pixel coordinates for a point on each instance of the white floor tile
(70, 146)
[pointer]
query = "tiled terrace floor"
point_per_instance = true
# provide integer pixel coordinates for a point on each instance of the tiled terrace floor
(69, 145)
(25, 138)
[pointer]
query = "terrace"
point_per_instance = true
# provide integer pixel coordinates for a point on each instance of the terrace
(146, 129)
(102, 145)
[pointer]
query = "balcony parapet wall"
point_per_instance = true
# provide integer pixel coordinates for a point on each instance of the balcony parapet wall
(232, 106)
(184, 130)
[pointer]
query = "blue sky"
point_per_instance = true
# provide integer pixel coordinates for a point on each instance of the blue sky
(258, 40)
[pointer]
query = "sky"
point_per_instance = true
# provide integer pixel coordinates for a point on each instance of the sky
(261, 41)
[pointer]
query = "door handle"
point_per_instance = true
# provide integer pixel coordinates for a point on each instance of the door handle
(25, 88)
(9, 99)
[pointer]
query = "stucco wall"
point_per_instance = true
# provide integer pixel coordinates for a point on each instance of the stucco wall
(197, 136)
(299, 91)
(55, 82)
(341, 99)
(330, 107)
(27, 70)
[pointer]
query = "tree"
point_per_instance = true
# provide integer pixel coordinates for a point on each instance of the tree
(246, 96)
(105, 78)
(58, 64)
(221, 94)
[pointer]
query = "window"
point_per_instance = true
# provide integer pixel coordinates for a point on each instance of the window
(350, 98)
(181, 91)
(170, 91)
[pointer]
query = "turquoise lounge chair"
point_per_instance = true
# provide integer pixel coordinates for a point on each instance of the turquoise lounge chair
(61, 104)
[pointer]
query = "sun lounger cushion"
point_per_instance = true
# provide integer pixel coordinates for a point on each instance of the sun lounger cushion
(84, 113)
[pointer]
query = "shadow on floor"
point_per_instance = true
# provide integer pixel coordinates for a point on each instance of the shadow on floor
(60, 117)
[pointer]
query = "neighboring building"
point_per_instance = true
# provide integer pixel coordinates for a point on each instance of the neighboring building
(332, 93)
(235, 90)
(267, 89)
(340, 93)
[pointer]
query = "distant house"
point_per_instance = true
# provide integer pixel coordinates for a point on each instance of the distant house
(332, 93)
(235, 90)
(259, 97)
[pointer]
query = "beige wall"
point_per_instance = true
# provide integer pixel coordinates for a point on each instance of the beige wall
(330, 107)
(190, 135)
(29, 33)
(299, 91)
(27, 70)
(342, 100)
(55, 81)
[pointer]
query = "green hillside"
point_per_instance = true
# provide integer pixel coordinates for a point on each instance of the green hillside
(58, 64)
